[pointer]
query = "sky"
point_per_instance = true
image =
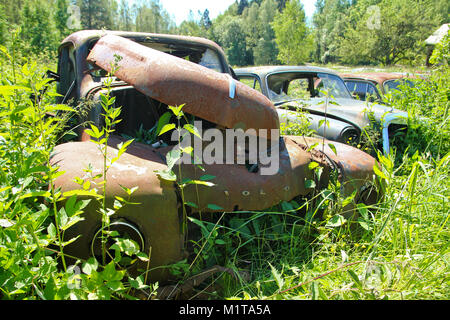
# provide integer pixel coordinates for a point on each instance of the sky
(179, 9)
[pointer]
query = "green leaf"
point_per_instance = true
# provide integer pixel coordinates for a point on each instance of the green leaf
(312, 165)
(191, 204)
(207, 177)
(166, 128)
(128, 246)
(336, 221)
(51, 230)
(34, 194)
(379, 173)
(364, 224)
(137, 283)
(5, 223)
(332, 147)
(50, 291)
(71, 222)
(177, 110)
(277, 276)
(355, 278)
(286, 206)
(172, 157)
(314, 291)
(214, 207)
(189, 127)
(5, 188)
(78, 192)
(309, 184)
(167, 175)
(313, 146)
(10, 90)
(205, 183)
(110, 273)
(65, 243)
(163, 120)
(142, 256)
(187, 150)
(362, 209)
(349, 199)
(86, 185)
(115, 285)
(89, 266)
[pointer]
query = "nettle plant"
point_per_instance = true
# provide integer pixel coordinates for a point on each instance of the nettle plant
(34, 215)
(174, 173)
(299, 127)
(32, 219)
(117, 253)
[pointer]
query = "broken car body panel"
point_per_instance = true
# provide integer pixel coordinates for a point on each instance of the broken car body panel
(148, 78)
(175, 81)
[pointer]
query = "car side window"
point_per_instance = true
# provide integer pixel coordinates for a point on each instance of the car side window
(358, 88)
(372, 92)
(251, 81)
(299, 89)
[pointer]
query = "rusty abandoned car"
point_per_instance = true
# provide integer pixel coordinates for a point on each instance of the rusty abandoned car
(294, 88)
(157, 71)
(372, 86)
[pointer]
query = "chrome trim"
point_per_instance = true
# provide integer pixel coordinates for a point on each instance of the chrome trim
(388, 120)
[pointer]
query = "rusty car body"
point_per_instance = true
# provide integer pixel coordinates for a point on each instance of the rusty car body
(347, 117)
(373, 86)
(161, 70)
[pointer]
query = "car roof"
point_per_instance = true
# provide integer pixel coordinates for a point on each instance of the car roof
(262, 71)
(378, 77)
(81, 37)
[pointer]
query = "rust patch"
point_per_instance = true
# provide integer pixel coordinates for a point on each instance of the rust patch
(175, 81)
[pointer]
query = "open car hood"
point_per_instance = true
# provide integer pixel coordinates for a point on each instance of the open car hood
(207, 94)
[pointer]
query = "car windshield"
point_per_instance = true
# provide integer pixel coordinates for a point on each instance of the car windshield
(287, 86)
(396, 84)
(198, 54)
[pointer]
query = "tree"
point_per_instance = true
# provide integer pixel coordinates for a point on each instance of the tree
(328, 21)
(151, 17)
(38, 32)
(61, 17)
(388, 32)
(266, 49)
(232, 38)
(241, 6)
(205, 21)
(98, 14)
(281, 4)
(3, 27)
(11, 11)
(125, 18)
(291, 34)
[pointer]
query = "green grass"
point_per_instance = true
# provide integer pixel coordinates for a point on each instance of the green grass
(401, 254)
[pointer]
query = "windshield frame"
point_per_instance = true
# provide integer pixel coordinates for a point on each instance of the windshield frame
(306, 73)
(165, 46)
(398, 82)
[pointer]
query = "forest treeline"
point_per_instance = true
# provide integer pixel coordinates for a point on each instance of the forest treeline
(252, 32)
